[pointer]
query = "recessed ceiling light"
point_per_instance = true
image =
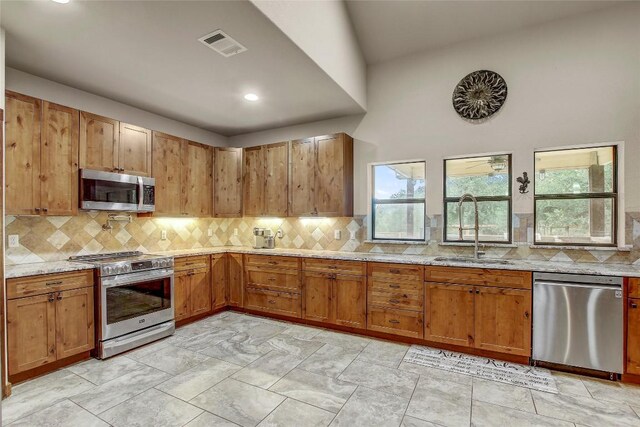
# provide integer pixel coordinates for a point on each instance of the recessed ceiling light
(61, 1)
(251, 97)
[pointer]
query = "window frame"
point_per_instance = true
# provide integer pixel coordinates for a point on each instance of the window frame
(579, 196)
(373, 202)
(508, 199)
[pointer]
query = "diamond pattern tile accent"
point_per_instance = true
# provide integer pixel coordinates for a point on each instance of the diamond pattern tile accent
(58, 239)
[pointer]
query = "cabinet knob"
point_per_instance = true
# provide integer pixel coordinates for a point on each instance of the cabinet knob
(51, 298)
(37, 210)
(477, 291)
(633, 305)
(59, 296)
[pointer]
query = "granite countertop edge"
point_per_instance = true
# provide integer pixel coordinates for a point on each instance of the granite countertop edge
(626, 270)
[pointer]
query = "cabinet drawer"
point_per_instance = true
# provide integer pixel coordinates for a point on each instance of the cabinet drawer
(282, 280)
(398, 322)
(394, 272)
(479, 276)
(275, 302)
(634, 288)
(272, 261)
(192, 262)
(396, 300)
(396, 286)
(333, 266)
(37, 285)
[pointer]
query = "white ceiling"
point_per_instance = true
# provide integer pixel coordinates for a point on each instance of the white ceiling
(389, 29)
(146, 54)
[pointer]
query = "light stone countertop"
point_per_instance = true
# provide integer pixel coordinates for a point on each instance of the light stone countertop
(22, 270)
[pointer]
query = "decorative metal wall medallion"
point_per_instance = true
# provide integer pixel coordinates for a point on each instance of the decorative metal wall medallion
(479, 95)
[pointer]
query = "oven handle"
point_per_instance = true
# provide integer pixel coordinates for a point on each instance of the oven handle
(143, 276)
(140, 193)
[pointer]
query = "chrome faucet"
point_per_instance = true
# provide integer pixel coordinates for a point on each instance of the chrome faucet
(476, 252)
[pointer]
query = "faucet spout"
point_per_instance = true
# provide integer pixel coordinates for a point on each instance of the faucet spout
(476, 227)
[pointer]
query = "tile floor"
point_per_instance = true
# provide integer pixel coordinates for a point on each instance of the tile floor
(233, 369)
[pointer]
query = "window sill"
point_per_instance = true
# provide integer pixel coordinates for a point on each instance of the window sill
(397, 242)
(584, 248)
(471, 244)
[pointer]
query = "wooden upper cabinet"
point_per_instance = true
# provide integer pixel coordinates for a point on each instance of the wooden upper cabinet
(197, 179)
(253, 181)
(276, 196)
(135, 150)
(227, 182)
(22, 136)
(449, 314)
(302, 178)
(59, 160)
(321, 179)
(167, 171)
(99, 142)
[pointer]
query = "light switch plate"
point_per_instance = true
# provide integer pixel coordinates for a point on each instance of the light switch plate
(14, 241)
(163, 235)
(337, 234)
(210, 232)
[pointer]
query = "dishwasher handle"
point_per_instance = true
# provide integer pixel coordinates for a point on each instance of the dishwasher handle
(577, 285)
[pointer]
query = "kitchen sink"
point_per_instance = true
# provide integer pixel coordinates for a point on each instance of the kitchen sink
(472, 260)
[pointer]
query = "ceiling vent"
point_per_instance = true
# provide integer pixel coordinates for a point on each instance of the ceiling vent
(222, 43)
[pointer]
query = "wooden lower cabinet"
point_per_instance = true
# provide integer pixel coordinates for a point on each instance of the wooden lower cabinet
(74, 322)
(318, 289)
(633, 336)
(397, 322)
(285, 303)
(235, 268)
(181, 294)
(193, 287)
(449, 314)
(219, 280)
(200, 295)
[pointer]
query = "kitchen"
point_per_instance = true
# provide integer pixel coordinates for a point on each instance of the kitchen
(427, 227)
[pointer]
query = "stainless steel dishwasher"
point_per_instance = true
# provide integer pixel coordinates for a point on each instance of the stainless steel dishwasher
(578, 321)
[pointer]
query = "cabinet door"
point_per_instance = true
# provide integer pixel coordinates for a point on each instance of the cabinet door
(633, 337)
(235, 278)
(276, 196)
(59, 160)
(74, 322)
(135, 150)
(197, 179)
(167, 167)
(181, 298)
(219, 280)
(99, 142)
(302, 178)
(31, 332)
(22, 173)
(253, 182)
(334, 175)
(316, 301)
(350, 301)
(503, 320)
(449, 314)
(227, 182)
(200, 291)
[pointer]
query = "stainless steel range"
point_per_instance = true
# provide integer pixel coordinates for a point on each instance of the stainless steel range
(136, 299)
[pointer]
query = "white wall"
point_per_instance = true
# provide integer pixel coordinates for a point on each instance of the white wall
(314, 25)
(572, 81)
(38, 87)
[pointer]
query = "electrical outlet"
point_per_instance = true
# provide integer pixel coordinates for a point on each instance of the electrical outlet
(352, 235)
(163, 235)
(279, 233)
(337, 234)
(210, 232)
(235, 231)
(14, 241)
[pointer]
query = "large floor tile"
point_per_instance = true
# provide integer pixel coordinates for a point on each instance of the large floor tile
(173, 360)
(62, 414)
(302, 332)
(294, 413)
(584, 410)
(207, 419)
(381, 378)
(148, 349)
(238, 402)
(258, 334)
(489, 415)
(194, 381)
(330, 360)
(317, 390)
(503, 394)
(384, 353)
(570, 384)
(151, 408)
(114, 392)
(441, 402)
(238, 353)
(612, 391)
(297, 347)
(439, 374)
(267, 370)
(342, 340)
(42, 393)
(408, 421)
(101, 371)
(371, 408)
(206, 338)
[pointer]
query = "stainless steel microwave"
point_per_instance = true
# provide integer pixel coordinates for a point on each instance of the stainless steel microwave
(108, 191)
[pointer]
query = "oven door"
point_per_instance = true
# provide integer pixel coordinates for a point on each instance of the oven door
(134, 301)
(116, 192)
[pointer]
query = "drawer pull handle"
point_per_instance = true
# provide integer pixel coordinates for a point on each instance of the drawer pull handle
(394, 271)
(273, 262)
(272, 301)
(394, 321)
(394, 286)
(332, 267)
(57, 282)
(271, 279)
(394, 301)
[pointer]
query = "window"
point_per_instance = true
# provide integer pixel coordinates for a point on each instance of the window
(576, 196)
(488, 179)
(398, 202)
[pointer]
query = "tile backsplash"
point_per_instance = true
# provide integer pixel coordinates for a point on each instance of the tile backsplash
(57, 238)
